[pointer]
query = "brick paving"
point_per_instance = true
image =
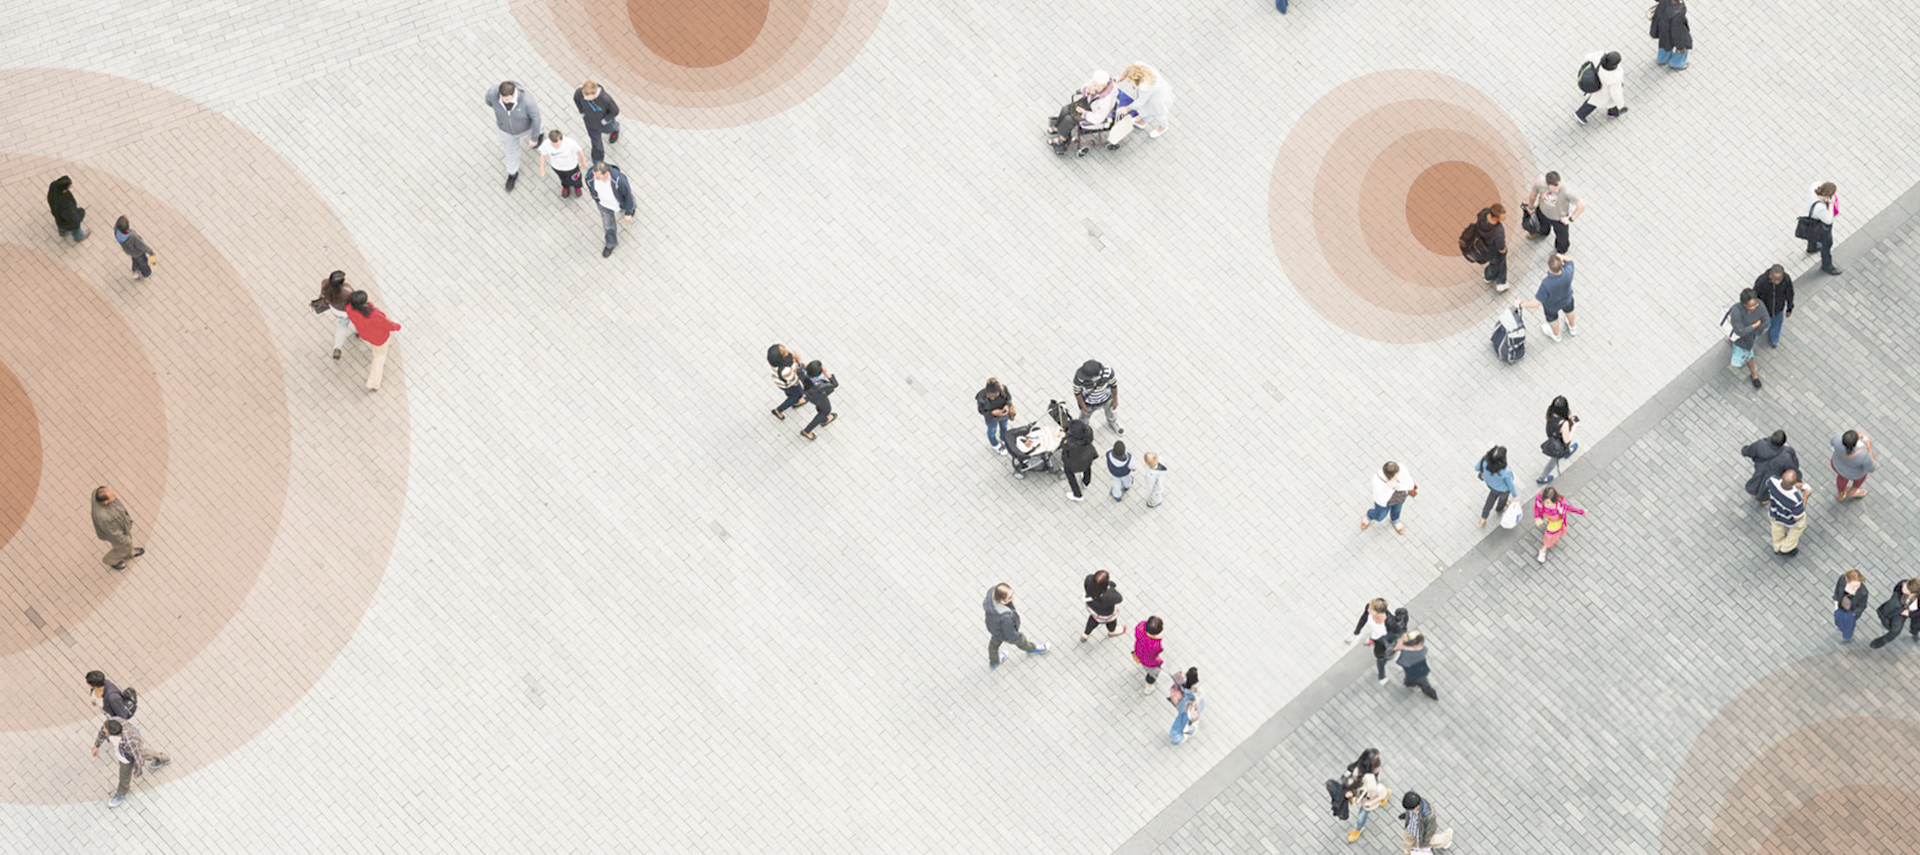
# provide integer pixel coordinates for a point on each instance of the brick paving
(656, 614)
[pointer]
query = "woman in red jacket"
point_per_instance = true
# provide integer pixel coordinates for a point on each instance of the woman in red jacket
(375, 329)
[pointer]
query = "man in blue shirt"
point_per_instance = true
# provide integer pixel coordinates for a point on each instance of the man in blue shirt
(1554, 296)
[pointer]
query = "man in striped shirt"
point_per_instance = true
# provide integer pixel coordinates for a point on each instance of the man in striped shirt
(127, 747)
(1094, 388)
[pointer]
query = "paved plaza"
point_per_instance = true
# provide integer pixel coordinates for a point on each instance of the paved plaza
(563, 584)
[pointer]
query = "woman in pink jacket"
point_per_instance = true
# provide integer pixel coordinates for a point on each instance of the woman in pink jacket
(1550, 511)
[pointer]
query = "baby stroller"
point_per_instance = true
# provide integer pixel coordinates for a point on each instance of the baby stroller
(1032, 446)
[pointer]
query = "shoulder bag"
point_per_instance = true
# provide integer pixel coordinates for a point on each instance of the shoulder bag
(1810, 228)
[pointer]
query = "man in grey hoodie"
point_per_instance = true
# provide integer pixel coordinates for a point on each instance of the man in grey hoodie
(514, 116)
(1003, 625)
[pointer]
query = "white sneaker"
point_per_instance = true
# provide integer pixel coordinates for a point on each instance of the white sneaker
(1573, 329)
(1501, 288)
(1542, 557)
(1548, 330)
(1147, 688)
(1073, 498)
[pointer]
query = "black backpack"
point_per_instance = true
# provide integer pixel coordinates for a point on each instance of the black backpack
(132, 699)
(1589, 78)
(1397, 623)
(1471, 244)
(1336, 791)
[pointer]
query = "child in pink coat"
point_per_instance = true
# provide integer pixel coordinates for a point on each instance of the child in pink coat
(1550, 510)
(1146, 650)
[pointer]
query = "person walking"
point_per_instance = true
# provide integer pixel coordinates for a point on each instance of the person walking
(1550, 511)
(1003, 626)
(786, 377)
(1392, 487)
(820, 385)
(1120, 469)
(1102, 596)
(374, 328)
(1555, 295)
(1486, 244)
(113, 702)
(113, 524)
(1771, 455)
(1147, 97)
(614, 194)
(1422, 829)
(1363, 790)
(1612, 94)
(1188, 704)
(332, 301)
(1787, 510)
(1494, 473)
(1077, 455)
(134, 247)
(1412, 648)
(995, 404)
(125, 744)
(1559, 444)
(1901, 610)
(1775, 290)
(1823, 204)
(1670, 31)
(1849, 602)
(1555, 207)
(564, 154)
(1382, 630)
(515, 115)
(1153, 478)
(601, 115)
(1147, 650)
(1747, 319)
(67, 213)
(1095, 389)
(1852, 462)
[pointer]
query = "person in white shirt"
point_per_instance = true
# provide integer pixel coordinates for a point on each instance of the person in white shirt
(1612, 94)
(1392, 487)
(614, 196)
(1823, 204)
(564, 154)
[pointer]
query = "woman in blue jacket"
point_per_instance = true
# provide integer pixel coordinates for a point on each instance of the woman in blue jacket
(1493, 472)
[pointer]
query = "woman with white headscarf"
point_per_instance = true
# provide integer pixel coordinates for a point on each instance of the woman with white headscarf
(1091, 110)
(1146, 96)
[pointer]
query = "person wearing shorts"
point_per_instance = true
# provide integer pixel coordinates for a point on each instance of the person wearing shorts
(1749, 319)
(1554, 296)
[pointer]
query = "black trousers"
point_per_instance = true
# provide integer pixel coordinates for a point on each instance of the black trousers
(1497, 270)
(1113, 624)
(822, 407)
(1899, 623)
(1076, 480)
(1496, 501)
(1421, 683)
(1824, 246)
(141, 266)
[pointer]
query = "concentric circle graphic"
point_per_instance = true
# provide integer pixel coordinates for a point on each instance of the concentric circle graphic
(1816, 757)
(701, 64)
(206, 398)
(1371, 190)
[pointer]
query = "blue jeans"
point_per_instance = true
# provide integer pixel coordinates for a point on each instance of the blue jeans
(78, 234)
(1381, 512)
(1178, 733)
(996, 431)
(1281, 5)
(1360, 819)
(610, 220)
(1845, 621)
(1674, 59)
(1773, 329)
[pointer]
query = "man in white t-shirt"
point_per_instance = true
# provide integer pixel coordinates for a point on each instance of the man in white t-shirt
(565, 156)
(615, 197)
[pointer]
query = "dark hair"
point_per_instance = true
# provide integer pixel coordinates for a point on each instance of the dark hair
(1553, 179)
(1777, 269)
(1369, 762)
(814, 369)
(120, 224)
(506, 88)
(100, 490)
(1119, 447)
(1192, 678)
(1154, 625)
(1779, 437)
(777, 359)
(1091, 369)
(333, 288)
(554, 135)
(1410, 801)
(358, 300)
(1496, 210)
(113, 726)
(1495, 458)
(96, 679)
(1098, 583)
(1746, 294)
(1850, 439)
(1559, 408)
(1611, 61)
(1550, 495)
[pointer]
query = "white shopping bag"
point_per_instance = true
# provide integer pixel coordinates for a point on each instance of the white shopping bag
(1510, 518)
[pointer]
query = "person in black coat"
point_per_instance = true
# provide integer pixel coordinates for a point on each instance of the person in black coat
(1076, 456)
(1775, 290)
(1101, 598)
(1670, 29)
(67, 213)
(1849, 602)
(1898, 611)
(1771, 455)
(995, 404)
(820, 384)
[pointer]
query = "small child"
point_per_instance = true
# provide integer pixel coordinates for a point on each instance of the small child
(1550, 510)
(1120, 466)
(1188, 704)
(564, 154)
(135, 247)
(1153, 478)
(1146, 650)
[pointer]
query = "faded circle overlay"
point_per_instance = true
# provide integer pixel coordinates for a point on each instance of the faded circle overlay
(20, 454)
(700, 64)
(1369, 194)
(206, 397)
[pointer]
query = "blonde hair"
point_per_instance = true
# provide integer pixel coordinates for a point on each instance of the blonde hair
(1152, 459)
(1139, 73)
(590, 89)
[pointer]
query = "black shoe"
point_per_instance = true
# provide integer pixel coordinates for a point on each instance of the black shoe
(139, 551)
(1792, 552)
(606, 252)
(512, 177)
(120, 566)
(1830, 270)
(1878, 643)
(1581, 116)
(1756, 382)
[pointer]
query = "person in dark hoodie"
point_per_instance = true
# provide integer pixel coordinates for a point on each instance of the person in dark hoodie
(601, 115)
(819, 385)
(1670, 29)
(67, 213)
(1775, 290)
(134, 247)
(1412, 648)
(1003, 625)
(112, 701)
(1101, 598)
(1077, 455)
(1771, 455)
(1489, 245)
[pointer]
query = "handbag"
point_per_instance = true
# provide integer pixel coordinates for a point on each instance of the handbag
(1726, 325)
(319, 306)
(1398, 497)
(1554, 447)
(1510, 518)
(1810, 228)
(1531, 221)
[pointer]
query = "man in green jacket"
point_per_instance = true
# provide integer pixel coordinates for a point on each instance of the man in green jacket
(113, 524)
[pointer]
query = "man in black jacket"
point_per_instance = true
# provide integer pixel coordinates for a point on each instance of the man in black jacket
(67, 213)
(1775, 290)
(601, 115)
(1771, 455)
(111, 701)
(1076, 456)
(820, 385)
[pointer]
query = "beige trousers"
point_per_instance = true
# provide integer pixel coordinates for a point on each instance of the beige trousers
(379, 367)
(1786, 538)
(122, 550)
(1442, 840)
